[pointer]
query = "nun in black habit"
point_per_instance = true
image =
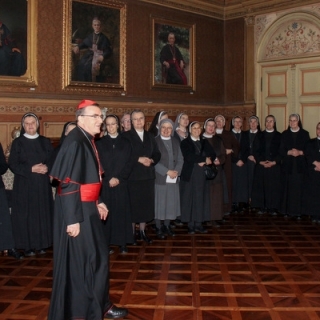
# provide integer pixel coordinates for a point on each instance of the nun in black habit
(293, 169)
(194, 190)
(115, 157)
(32, 199)
(266, 191)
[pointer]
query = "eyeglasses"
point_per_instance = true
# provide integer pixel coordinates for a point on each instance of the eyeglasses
(94, 116)
(138, 119)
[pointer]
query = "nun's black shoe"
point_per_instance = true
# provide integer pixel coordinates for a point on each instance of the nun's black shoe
(167, 230)
(160, 234)
(15, 254)
(29, 253)
(115, 313)
(144, 237)
(123, 249)
(201, 229)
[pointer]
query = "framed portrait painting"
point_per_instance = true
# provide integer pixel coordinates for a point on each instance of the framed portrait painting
(94, 46)
(18, 42)
(173, 55)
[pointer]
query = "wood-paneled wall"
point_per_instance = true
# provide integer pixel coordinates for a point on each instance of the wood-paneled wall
(219, 73)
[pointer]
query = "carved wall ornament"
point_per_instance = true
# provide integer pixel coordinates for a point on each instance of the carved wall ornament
(293, 39)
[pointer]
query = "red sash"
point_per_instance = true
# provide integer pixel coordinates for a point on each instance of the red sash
(88, 192)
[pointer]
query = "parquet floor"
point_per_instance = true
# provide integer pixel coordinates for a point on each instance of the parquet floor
(252, 267)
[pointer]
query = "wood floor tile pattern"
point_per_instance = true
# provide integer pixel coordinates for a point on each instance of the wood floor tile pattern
(252, 267)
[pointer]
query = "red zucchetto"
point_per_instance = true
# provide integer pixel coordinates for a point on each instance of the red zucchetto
(87, 103)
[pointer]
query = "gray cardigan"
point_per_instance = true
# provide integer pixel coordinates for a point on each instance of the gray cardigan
(162, 166)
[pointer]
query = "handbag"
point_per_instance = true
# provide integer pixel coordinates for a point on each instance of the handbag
(210, 171)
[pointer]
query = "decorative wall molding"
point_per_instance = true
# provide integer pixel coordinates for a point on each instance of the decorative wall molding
(230, 9)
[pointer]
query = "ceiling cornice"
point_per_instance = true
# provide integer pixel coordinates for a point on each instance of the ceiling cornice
(230, 9)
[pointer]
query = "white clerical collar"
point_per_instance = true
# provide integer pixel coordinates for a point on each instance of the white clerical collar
(29, 136)
(165, 138)
(195, 139)
(295, 130)
(255, 131)
(113, 135)
(219, 131)
(235, 131)
(269, 130)
(318, 138)
(208, 136)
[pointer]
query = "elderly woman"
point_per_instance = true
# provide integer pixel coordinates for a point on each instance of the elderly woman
(125, 122)
(216, 186)
(115, 158)
(141, 182)
(312, 187)
(266, 191)
(293, 169)
(194, 191)
(167, 200)
(32, 200)
(154, 126)
(232, 149)
(181, 126)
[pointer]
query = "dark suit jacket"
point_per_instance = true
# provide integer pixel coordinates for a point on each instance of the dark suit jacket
(146, 148)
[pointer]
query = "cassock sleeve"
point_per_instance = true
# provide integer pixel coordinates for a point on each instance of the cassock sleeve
(67, 170)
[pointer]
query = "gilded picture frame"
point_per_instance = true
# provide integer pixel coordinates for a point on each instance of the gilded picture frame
(18, 48)
(173, 66)
(94, 52)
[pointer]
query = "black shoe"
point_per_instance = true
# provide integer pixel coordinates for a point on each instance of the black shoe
(42, 251)
(134, 242)
(159, 233)
(123, 249)
(178, 222)
(29, 253)
(15, 254)
(191, 230)
(167, 230)
(115, 313)
(111, 251)
(201, 229)
(144, 237)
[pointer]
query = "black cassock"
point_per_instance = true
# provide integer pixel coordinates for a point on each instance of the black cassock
(80, 270)
(32, 200)
(115, 158)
